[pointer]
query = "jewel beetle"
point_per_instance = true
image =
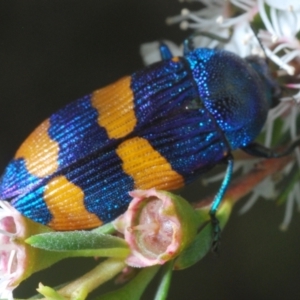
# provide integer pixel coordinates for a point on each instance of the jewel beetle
(161, 127)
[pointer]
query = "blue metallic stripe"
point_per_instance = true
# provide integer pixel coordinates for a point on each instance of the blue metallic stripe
(16, 180)
(88, 159)
(186, 136)
(160, 88)
(32, 205)
(76, 129)
(104, 184)
(190, 148)
(26, 191)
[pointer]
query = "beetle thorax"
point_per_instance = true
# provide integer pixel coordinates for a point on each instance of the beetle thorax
(232, 92)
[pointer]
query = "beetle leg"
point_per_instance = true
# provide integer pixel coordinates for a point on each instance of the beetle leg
(256, 149)
(217, 201)
(165, 51)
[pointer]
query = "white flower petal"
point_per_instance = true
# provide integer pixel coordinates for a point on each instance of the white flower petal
(288, 24)
(265, 189)
(289, 5)
(289, 208)
(151, 54)
(265, 18)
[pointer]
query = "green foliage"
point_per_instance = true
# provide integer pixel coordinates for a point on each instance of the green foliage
(81, 243)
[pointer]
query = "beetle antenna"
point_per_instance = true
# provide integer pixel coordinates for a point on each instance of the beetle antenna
(260, 44)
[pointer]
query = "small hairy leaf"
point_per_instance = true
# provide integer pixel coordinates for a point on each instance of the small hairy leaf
(75, 240)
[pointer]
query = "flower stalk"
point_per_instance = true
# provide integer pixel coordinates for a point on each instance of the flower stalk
(81, 287)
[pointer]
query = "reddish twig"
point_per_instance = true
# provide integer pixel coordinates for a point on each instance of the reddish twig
(246, 183)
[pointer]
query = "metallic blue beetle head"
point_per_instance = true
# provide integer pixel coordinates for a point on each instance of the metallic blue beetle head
(237, 92)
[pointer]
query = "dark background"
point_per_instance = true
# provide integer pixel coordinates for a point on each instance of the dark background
(52, 52)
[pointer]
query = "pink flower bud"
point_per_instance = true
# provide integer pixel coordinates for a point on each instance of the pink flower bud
(157, 226)
(18, 260)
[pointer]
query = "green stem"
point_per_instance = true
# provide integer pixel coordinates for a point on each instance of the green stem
(135, 288)
(162, 291)
(81, 287)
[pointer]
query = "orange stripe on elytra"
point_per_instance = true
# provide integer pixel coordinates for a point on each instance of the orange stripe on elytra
(65, 202)
(147, 166)
(40, 152)
(115, 106)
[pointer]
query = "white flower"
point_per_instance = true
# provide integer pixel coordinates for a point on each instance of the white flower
(18, 260)
(280, 36)
(218, 18)
(10, 254)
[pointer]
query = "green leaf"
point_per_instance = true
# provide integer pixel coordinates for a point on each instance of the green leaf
(107, 228)
(197, 250)
(201, 245)
(81, 243)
